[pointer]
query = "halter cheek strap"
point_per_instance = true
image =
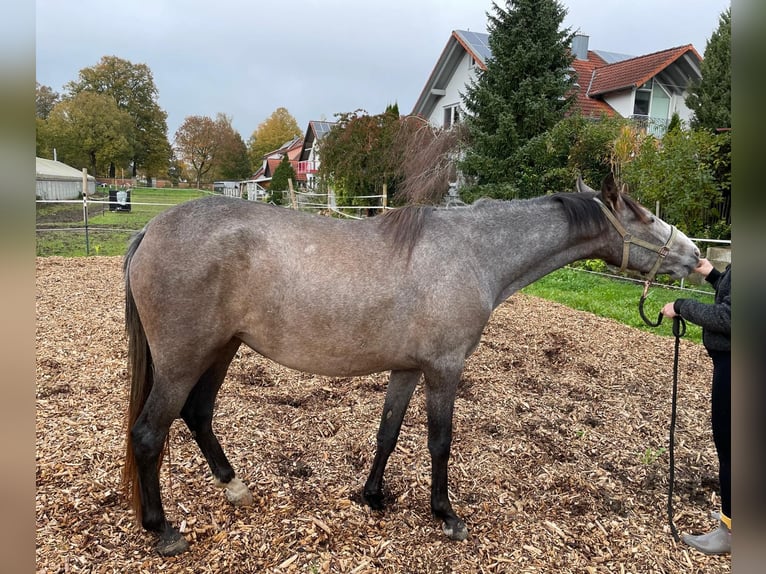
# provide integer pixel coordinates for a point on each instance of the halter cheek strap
(627, 239)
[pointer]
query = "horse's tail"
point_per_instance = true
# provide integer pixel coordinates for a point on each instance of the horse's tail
(141, 381)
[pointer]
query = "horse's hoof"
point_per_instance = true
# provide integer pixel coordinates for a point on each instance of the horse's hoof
(172, 545)
(373, 499)
(237, 493)
(456, 530)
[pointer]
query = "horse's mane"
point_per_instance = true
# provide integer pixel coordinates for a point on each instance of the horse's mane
(585, 215)
(404, 225)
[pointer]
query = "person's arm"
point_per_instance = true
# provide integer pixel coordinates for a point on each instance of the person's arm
(713, 317)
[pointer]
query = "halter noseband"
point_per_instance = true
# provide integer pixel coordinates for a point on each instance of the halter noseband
(627, 239)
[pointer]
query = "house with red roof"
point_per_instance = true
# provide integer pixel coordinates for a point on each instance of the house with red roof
(272, 159)
(648, 88)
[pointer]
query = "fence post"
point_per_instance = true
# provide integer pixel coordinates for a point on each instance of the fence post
(85, 208)
(292, 193)
(385, 196)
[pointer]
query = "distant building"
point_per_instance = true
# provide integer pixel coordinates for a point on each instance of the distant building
(648, 89)
(55, 180)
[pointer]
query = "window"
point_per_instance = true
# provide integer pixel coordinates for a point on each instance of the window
(471, 62)
(642, 100)
(451, 115)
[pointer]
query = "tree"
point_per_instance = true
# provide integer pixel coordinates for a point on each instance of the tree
(45, 99)
(89, 130)
(710, 98)
(132, 88)
(359, 156)
(279, 179)
(271, 134)
(550, 162)
(525, 90)
(197, 143)
(213, 149)
(676, 172)
(232, 161)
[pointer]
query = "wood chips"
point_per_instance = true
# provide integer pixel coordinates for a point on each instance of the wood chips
(559, 459)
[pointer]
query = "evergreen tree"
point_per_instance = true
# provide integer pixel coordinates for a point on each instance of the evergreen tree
(279, 179)
(710, 99)
(525, 90)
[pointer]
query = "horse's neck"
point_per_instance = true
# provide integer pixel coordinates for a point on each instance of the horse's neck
(528, 240)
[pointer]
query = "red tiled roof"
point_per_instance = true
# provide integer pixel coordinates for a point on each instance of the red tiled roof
(589, 106)
(635, 71)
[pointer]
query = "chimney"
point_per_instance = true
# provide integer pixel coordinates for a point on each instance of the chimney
(580, 46)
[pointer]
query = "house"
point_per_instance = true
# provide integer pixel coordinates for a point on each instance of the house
(647, 88)
(271, 161)
(308, 160)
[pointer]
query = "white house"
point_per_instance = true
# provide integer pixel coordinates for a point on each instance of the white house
(648, 88)
(308, 160)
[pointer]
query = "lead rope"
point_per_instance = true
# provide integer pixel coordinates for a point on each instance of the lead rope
(679, 330)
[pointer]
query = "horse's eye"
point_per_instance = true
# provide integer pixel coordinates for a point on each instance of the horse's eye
(651, 219)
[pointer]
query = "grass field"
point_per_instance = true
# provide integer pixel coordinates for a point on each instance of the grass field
(615, 299)
(61, 226)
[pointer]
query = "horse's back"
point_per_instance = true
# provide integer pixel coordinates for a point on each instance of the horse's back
(311, 292)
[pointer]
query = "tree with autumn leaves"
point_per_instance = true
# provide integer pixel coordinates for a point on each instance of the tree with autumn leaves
(271, 134)
(212, 149)
(108, 118)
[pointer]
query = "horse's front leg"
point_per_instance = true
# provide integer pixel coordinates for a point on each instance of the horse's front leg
(440, 401)
(401, 385)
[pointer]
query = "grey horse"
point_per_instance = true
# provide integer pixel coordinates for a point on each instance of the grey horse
(408, 292)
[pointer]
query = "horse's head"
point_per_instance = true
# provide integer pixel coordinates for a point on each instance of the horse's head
(639, 240)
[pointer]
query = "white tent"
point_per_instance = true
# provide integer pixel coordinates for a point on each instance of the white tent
(56, 180)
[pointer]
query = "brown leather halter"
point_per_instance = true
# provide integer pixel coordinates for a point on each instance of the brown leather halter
(627, 239)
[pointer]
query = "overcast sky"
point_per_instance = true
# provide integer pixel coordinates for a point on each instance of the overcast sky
(314, 57)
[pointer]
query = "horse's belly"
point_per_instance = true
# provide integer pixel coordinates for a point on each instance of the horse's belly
(334, 362)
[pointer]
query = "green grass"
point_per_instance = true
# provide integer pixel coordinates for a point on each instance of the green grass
(59, 225)
(615, 299)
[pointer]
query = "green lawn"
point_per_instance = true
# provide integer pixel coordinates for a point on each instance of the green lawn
(615, 299)
(60, 226)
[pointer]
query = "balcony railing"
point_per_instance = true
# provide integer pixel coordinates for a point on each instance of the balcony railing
(310, 166)
(653, 126)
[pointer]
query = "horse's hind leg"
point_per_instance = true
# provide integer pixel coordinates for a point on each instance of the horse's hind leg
(148, 436)
(400, 388)
(197, 413)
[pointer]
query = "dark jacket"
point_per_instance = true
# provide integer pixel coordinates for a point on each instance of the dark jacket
(714, 319)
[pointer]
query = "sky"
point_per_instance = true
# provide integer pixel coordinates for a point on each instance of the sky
(316, 58)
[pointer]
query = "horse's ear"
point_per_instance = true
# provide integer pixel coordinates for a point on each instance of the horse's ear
(610, 193)
(582, 186)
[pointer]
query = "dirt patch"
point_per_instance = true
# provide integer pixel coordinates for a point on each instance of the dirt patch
(559, 460)
(49, 214)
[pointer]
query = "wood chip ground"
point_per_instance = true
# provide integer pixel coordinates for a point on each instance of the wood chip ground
(559, 459)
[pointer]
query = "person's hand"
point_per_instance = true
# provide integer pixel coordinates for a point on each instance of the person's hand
(668, 310)
(704, 267)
